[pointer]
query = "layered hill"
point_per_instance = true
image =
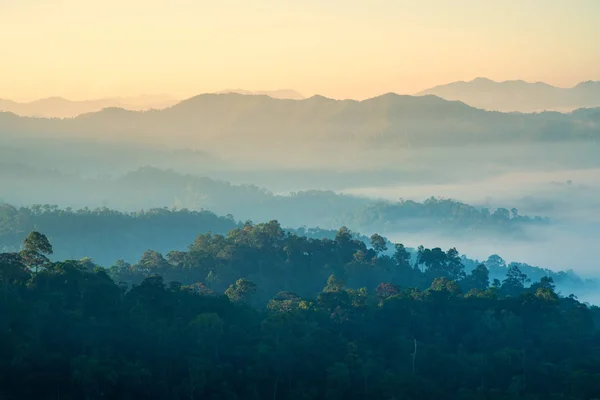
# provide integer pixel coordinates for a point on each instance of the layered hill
(518, 95)
(58, 107)
(225, 119)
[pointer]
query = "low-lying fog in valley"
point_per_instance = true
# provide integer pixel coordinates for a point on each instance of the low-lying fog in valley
(531, 197)
(571, 198)
(548, 180)
(339, 200)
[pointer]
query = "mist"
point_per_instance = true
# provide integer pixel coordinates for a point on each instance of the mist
(299, 200)
(323, 163)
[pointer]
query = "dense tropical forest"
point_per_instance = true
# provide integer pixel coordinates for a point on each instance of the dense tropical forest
(143, 227)
(106, 235)
(151, 188)
(282, 316)
(447, 214)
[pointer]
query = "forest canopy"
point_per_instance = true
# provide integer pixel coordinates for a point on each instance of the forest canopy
(80, 233)
(153, 188)
(309, 321)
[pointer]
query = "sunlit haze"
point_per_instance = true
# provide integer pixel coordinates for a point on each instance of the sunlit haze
(341, 49)
(308, 199)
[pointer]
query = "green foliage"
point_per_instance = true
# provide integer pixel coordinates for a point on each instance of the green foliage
(36, 242)
(378, 243)
(35, 248)
(69, 331)
(515, 281)
(240, 291)
(103, 234)
(445, 214)
(106, 235)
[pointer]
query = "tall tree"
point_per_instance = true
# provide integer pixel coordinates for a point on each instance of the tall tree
(36, 248)
(515, 281)
(378, 243)
(478, 279)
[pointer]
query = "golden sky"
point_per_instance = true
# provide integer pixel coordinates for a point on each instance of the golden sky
(83, 49)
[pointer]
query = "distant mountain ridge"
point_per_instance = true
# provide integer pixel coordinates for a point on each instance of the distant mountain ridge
(58, 107)
(234, 119)
(276, 94)
(518, 95)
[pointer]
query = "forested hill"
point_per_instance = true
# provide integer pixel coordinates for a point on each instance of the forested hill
(519, 95)
(449, 216)
(299, 330)
(105, 236)
(151, 188)
(218, 120)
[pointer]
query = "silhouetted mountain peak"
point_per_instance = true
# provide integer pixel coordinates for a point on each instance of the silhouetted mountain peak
(482, 80)
(390, 95)
(318, 97)
(53, 98)
(108, 112)
(276, 94)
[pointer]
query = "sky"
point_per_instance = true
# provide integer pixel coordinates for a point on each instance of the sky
(336, 48)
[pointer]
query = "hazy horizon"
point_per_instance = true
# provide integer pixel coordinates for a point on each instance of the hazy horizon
(338, 50)
(255, 91)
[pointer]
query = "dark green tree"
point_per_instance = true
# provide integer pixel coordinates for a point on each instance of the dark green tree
(241, 290)
(378, 243)
(36, 248)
